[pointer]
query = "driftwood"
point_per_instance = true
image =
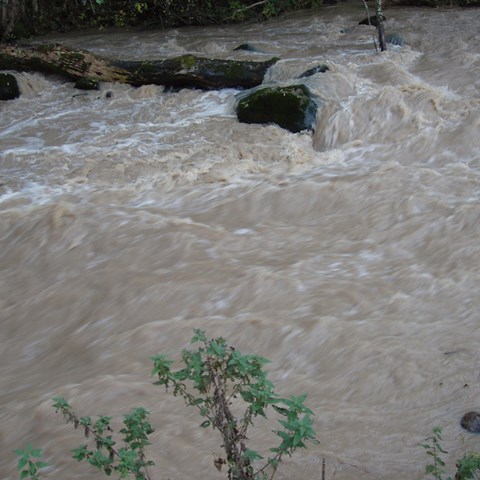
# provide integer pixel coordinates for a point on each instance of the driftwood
(186, 71)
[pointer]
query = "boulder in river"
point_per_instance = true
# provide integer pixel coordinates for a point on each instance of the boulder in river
(373, 21)
(8, 87)
(314, 70)
(87, 83)
(471, 422)
(247, 47)
(292, 107)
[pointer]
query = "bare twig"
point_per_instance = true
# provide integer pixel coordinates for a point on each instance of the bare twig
(370, 23)
(244, 9)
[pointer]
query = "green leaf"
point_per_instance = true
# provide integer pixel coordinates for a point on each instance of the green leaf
(22, 462)
(280, 410)
(161, 365)
(217, 347)
(252, 455)
(205, 424)
(60, 404)
(24, 474)
(81, 452)
(199, 336)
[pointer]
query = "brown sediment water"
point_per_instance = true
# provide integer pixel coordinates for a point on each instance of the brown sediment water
(348, 257)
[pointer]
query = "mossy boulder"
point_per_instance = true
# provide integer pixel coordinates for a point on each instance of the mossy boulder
(8, 87)
(292, 107)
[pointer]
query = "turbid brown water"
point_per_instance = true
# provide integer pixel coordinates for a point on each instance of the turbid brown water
(350, 258)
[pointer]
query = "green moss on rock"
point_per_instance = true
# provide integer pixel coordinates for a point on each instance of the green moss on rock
(188, 61)
(87, 83)
(74, 60)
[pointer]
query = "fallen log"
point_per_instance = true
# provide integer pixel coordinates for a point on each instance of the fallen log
(186, 71)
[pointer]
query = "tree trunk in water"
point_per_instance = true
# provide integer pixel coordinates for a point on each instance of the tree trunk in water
(380, 29)
(187, 71)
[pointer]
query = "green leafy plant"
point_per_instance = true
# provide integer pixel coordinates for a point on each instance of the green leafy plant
(468, 467)
(434, 449)
(213, 378)
(28, 467)
(105, 455)
(217, 380)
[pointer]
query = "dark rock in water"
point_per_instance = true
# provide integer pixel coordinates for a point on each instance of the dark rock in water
(395, 39)
(314, 70)
(471, 422)
(291, 107)
(8, 87)
(373, 21)
(87, 83)
(247, 47)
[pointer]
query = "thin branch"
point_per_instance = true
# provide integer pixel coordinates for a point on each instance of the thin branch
(370, 23)
(244, 9)
(73, 418)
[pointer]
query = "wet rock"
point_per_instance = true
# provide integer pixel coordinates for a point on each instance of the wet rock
(314, 70)
(87, 83)
(8, 87)
(395, 39)
(292, 107)
(373, 21)
(247, 47)
(471, 422)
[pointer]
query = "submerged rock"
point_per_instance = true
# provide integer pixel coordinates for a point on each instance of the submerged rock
(8, 87)
(373, 21)
(314, 70)
(471, 422)
(291, 107)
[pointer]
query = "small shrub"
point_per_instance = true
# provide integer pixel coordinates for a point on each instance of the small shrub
(214, 376)
(105, 455)
(217, 374)
(435, 450)
(27, 467)
(468, 467)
